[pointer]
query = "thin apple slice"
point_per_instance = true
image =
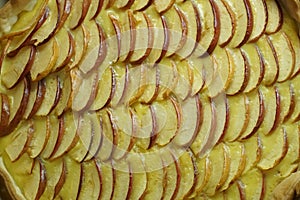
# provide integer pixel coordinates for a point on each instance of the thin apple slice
(55, 170)
(106, 86)
(39, 98)
(254, 184)
(83, 145)
(285, 58)
(253, 151)
(78, 13)
(40, 137)
(66, 47)
(85, 94)
(45, 59)
(121, 82)
(198, 77)
(64, 9)
(233, 192)
(270, 156)
(256, 113)
(140, 5)
(81, 37)
(48, 28)
(204, 173)
(272, 179)
(237, 158)
(184, 84)
(190, 123)
(155, 176)
(67, 135)
(219, 167)
(163, 6)
(109, 140)
(73, 180)
(240, 77)
(94, 9)
(121, 180)
(260, 18)
(20, 141)
(14, 69)
(53, 128)
(272, 109)
(31, 100)
(287, 103)
(238, 106)
(96, 50)
(275, 17)
(252, 58)
(91, 186)
(219, 106)
(190, 13)
(108, 180)
(295, 116)
(268, 56)
(243, 21)
(123, 4)
(227, 27)
(51, 95)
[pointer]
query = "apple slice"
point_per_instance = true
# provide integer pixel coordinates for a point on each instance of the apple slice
(55, 170)
(14, 69)
(256, 113)
(122, 125)
(191, 122)
(123, 4)
(270, 156)
(285, 59)
(204, 166)
(272, 109)
(238, 106)
(219, 121)
(85, 94)
(253, 151)
(5, 112)
(81, 38)
(287, 103)
(220, 166)
(94, 9)
(109, 139)
(140, 5)
(31, 99)
(243, 21)
(108, 180)
(66, 47)
(105, 88)
(73, 180)
(40, 137)
(233, 191)
(275, 17)
(47, 30)
(240, 77)
(39, 98)
(94, 55)
(67, 135)
(163, 6)
(253, 59)
(64, 9)
(122, 182)
(45, 59)
(20, 141)
(295, 116)
(52, 93)
(121, 82)
(91, 186)
(237, 158)
(268, 56)
(253, 183)
(78, 13)
(227, 27)
(184, 83)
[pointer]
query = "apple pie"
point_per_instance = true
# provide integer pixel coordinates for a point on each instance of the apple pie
(149, 99)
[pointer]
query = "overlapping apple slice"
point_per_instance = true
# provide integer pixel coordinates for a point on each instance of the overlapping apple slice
(78, 13)
(122, 180)
(185, 80)
(275, 17)
(204, 167)
(287, 103)
(296, 112)
(95, 9)
(121, 77)
(140, 5)
(151, 84)
(107, 183)
(234, 191)
(123, 4)
(163, 6)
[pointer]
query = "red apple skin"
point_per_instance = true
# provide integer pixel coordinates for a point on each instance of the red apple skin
(249, 23)
(60, 135)
(39, 98)
(178, 178)
(199, 27)
(246, 72)
(117, 28)
(292, 103)
(217, 27)
(43, 181)
(61, 180)
(166, 39)
(128, 5)
(277, 114)
(85, 7)
(57, 95)
(99, 8)
(276, 59)
(98, 167)
(262, 65)
(184, 26)
(80, 181)
(4, 114)
(146, 6)
(132, 25)
(154, 131)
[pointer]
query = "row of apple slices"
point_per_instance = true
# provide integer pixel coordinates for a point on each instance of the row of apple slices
(206, 176)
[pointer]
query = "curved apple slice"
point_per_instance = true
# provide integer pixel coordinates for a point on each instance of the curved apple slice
(78, 13)
(122, 180)
(256, 113)
(191, 122)
(64, 10)
(121, 82)
(285, 59)
(253, 59)
(5, 112)
(227, 27)
(238, 109)
(163, 6)
(287, 103)
(40, 95)
(260, 18)
(243, 20)
(108, 180)
(123, 4)
(272, 109)
(270, 156)
(48, 28)
(275, 17)
(45, 59)
(51, 95)
(40, 137)
(67, 135)
(185, 80)
(253, 152)
(55, 170)
(233, 191)
(109, 139)
(94, 9)
(253, 187)
(31, 100)
(140, 5)
(91, 186)
(14, 69)
(73, 180)
(204, 166)
(237, 159)
(240, 77)
(295, 116)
